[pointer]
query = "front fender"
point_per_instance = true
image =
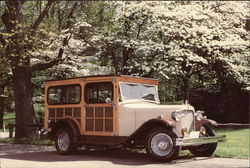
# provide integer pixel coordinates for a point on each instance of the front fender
(199, 123)
(142, 131)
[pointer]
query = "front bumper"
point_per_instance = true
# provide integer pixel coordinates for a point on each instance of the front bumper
(199, 141)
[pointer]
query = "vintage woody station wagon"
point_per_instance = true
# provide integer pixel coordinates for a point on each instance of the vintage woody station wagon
(123, 111)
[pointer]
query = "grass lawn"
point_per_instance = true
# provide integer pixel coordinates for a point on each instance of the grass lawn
(6, 130)
(9, 118)
(236, 146)
(34, 141)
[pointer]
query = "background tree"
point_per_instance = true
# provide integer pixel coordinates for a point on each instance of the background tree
(150, 38)
(204, 50)
(21, 39)
(4, 82)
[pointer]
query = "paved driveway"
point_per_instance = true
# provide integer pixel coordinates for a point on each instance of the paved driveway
(32, 156)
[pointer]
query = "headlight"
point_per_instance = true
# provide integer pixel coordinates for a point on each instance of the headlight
(200, 115)
(177, 115)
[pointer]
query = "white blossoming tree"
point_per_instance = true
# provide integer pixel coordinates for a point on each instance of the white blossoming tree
(182, 39)
(210, 34)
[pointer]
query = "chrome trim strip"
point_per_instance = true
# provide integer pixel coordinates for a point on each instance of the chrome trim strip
(199, 141)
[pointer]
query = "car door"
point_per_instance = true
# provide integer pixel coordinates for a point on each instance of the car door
(99, 108)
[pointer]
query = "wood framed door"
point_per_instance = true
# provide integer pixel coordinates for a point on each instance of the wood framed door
(100, 117)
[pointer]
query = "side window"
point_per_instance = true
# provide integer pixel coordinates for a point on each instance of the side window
(98, 92)
(67, 94)
(54, 95)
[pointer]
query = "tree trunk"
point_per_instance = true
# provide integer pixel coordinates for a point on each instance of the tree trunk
(185, 89)
(1, 112)
(16, 53)
(23, 103)
(1, 106)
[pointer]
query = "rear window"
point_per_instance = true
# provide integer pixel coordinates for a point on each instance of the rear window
(66, 94)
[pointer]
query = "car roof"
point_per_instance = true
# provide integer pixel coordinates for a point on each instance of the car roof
(97, 76)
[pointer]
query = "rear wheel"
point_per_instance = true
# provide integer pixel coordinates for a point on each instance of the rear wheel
(205, 150)
(64, 141)
(160, 144)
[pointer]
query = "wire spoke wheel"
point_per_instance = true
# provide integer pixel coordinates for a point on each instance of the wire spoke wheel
(63, 141)
(161, 144)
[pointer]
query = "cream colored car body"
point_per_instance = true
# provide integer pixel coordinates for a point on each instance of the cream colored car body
(135, 113)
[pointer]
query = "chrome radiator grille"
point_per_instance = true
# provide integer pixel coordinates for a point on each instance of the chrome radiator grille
(187, 122)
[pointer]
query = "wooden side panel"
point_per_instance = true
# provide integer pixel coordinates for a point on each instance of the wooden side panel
(45, 108)
(99, 119)
(78, 111)
(116, 107)
(62, 111)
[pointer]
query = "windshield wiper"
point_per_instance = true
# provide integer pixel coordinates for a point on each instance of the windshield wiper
(147, 86)
(131, 84)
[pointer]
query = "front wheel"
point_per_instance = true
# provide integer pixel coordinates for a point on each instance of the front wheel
(64, 141)
(205, 150)
(160, 144)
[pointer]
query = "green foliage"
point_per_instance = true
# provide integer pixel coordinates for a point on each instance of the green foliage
(39, 111)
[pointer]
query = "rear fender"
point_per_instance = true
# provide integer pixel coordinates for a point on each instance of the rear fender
(67, 122)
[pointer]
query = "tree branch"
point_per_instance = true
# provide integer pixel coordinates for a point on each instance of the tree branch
(91, 45)
(42, 15)
(140, 26)
(70, 15)
(44, 66)
(2, 40)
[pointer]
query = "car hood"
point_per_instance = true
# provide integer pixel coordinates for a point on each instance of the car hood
(145, 110)
(148, 106)
(137, 113)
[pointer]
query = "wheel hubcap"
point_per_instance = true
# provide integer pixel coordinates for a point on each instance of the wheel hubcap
(162, 144)
(63, 141)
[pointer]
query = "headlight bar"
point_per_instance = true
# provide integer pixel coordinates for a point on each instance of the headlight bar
(177, 115)
(200, 115)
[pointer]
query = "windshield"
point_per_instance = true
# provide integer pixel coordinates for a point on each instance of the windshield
(138, 91)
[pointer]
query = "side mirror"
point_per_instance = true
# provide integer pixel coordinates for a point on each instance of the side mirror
(108, 100)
